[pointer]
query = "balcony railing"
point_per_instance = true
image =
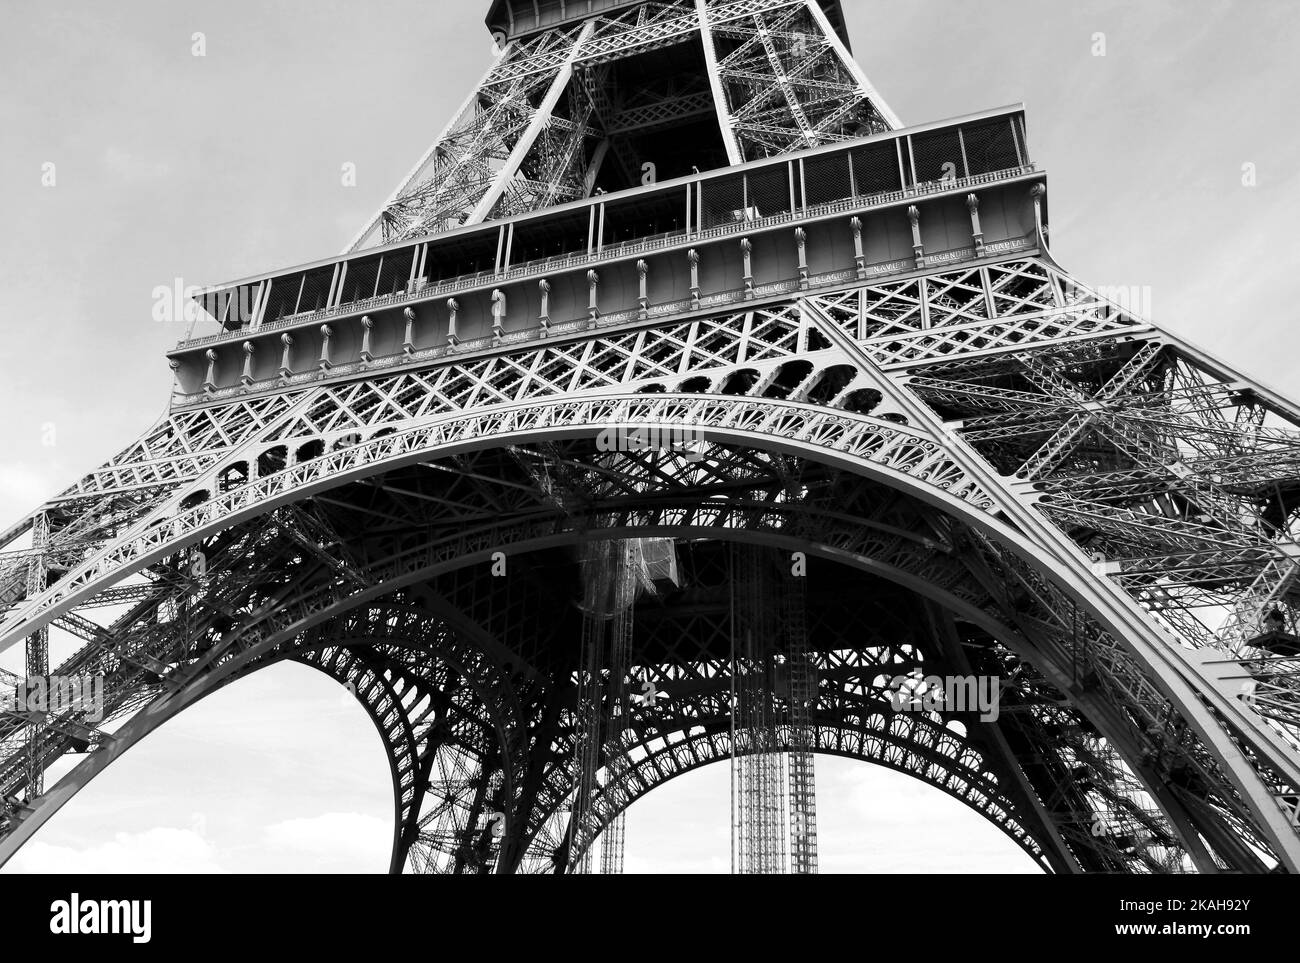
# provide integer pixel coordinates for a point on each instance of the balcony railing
(542, 267)
(707, 302)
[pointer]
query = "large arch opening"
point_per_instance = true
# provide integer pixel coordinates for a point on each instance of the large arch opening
(279, 772)
(781, 495)
(869, 820)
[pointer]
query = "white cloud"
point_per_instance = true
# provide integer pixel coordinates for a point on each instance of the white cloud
(334, 842)
(160, 850)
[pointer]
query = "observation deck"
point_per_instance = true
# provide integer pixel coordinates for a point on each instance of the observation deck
(885, 206)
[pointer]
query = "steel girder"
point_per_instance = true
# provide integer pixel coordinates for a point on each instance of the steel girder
(450, 720)
(902, 323)
(375, 625)
(1171, 470)
(783, 81)
(921, 555)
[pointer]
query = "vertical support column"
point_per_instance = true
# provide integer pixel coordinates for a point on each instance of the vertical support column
(801, 240)
(452, 340)
(286, 340)
(263, 295)
(859, 253)
(417, 256)
(643, 296)
(977, 235)
(326, 332)
(747, 254)
(599, 565)
(335, 281)
(914, 216)
(725, 123)
(246, 376)
(498, 315)
(338, 291)
(37, 650)
(593, 285)
(760, 803)
(210, 378)
(408, 337)
(622, 572)
(366, 327)
(420, 278)
(801, 701)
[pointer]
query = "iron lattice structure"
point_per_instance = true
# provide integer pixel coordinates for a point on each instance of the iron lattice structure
(562, 105)
(387, 467)
(761, 802)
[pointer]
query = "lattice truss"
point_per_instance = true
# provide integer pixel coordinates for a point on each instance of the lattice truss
(451, 817)
(508, 139)
(546, 115)
(1006, 391)
(800, 688)
(789, 85)
(761, 804)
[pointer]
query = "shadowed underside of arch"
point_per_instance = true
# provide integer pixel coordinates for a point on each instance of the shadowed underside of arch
(340, 568)
(452, 738)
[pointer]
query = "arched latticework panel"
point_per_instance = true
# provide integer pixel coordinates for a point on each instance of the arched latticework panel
(442, 739)
(679, 754)
(916, 520)
(450, 721)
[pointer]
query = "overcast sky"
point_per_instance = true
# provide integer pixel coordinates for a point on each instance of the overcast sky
(172, 166)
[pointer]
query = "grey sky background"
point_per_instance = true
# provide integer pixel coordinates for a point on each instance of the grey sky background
(170, 166)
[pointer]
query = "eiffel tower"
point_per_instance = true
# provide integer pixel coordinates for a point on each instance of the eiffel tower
(683, 406)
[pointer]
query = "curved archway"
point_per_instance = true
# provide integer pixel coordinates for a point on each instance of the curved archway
(870, 819)
(946, 765)
(279, 772)
(903, 459)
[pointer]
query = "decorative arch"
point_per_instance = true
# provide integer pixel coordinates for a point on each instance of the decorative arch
(901, 456)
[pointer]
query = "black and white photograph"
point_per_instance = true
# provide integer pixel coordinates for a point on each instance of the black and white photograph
(650, 438)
